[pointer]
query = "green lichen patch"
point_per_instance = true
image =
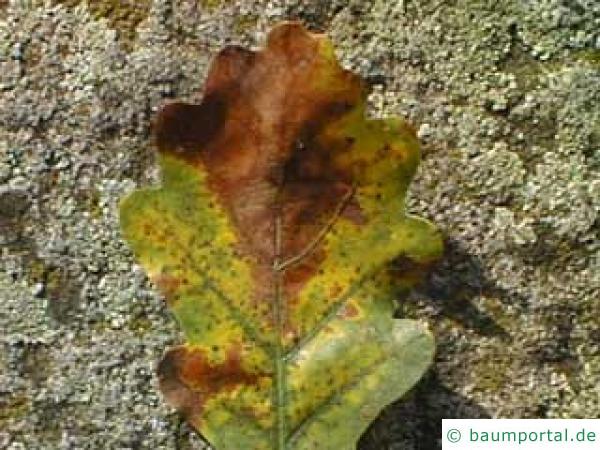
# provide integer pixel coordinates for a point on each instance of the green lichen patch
(591, 56)
(13, 408)
(55, 284)
(13, 208)
(245, 22)
(492, 372)
(212, 4)
(89, 200)
(122, 15)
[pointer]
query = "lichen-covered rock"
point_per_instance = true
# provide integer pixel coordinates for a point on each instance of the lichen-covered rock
(511, 84)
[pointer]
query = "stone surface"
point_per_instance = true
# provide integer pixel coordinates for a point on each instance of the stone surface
(505, 97)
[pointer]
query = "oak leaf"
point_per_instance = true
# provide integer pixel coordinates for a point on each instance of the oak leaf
(280, 213)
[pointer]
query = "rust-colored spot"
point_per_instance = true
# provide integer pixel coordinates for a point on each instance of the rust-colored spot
(188, 379)
(350, 311)
(353, 213)
(148, 229)
(335, 291)
(167, 285)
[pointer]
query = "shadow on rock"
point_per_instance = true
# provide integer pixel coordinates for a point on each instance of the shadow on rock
(415, 422)
(454, 284)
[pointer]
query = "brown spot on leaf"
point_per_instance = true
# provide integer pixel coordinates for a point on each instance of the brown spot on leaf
(353, 213)
(350, 311)
(168, 285)
(384, 151)
(336, 291)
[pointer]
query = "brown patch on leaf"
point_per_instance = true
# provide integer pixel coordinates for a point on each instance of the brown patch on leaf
(256, 134)
(188, 379)
(184, 128)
